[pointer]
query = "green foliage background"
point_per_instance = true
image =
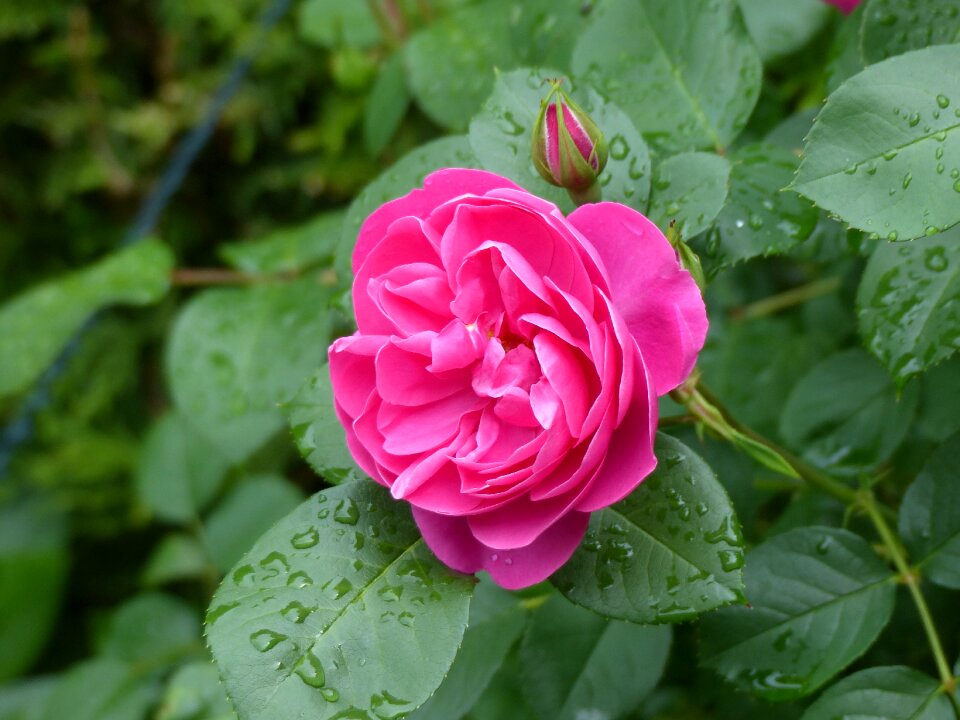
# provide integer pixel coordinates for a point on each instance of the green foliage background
(192, 420)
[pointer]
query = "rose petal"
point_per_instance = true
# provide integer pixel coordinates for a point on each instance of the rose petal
(452, 542)
(438, 188)
(660, 302)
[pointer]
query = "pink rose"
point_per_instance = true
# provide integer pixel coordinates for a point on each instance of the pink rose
(845, 6)
(505, 372)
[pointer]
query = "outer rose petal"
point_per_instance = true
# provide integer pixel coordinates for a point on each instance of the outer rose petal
(453, 543)
(438, 188)
(845, 6)
(658, 299)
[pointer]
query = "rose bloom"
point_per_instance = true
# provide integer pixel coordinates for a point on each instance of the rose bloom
(504, 376)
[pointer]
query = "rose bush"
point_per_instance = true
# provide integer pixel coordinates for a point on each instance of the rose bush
(504, 375)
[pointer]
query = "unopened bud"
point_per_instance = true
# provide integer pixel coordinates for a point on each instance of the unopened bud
(568, 148)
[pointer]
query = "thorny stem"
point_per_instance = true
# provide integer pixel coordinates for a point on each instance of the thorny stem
(787, 299)
(868, 502)
(705, 406)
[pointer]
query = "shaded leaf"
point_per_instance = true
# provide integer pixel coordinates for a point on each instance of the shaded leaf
(291, 249)
(781, 27)
(33, 570)
(176, 557)
(247, 512)
(101, 689)
(234, 353)
(179, 471)
(883, 693)
(819, 597)
(152, 628)
(845, 413)
(195, 693)
(37, 324)
(471, 41)
(575, 664)
(318, 433)
(386, 105)
(930, 516)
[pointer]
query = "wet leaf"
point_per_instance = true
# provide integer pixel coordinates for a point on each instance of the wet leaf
(893, 27)
(668, 551)
(694, 94)
(757, 219)
(884, 153)
(300, 625)
(819, 597)
(909, 303)
(689, 188)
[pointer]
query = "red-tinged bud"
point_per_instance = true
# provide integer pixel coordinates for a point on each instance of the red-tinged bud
(568, 148)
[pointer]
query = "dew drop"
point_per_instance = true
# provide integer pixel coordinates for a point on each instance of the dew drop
(935, 260)
(264, 640)
(347, 512)
(310, 670)
(306, 539)
(943, 101)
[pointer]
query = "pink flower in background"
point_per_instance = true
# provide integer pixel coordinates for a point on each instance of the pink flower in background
(846, 6)
(505, 372)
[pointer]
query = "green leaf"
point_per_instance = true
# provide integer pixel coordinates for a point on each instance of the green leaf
(37, 324)
(781, 27)
(154, 629)
(757, 219)
(937, 418)
(845, 413)
(689, 188)
(884, 153)
(338, 611)
(501, 135)
(844, 60)
(235, 353)
(101, 689)
(930, 516)
(450, 63)
(33, 569)
(819, 597)
(669, 550)
(386, 105)
(575, 664)
(179, 471)
(496, 621)
(891, 27)
(289, 250)
(685, 71)
(195, 693)
(245, 514)
(333, 23)
(402, 177)
(909, 303)
(883, 693)
(318, 433)
(543, 32)
(24, 699)
(176, 557)
(503, 697)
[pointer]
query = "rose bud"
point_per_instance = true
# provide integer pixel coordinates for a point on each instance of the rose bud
(568, 148)
(845, 6)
